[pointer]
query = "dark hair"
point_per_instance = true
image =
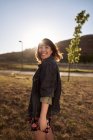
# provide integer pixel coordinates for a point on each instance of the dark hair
(56, 54)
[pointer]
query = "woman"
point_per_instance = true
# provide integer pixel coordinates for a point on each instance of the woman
(46, 91)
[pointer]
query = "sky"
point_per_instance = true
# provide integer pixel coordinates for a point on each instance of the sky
(30, 21)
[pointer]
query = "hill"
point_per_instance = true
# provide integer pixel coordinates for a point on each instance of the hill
(86, 44)
(28, 56)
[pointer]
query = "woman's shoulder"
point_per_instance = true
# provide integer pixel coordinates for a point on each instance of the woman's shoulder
(49, 62)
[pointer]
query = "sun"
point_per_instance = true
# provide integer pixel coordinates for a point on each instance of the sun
(34, 35)
(39, 34)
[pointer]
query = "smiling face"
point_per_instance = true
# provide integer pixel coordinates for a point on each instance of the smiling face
(44, 50)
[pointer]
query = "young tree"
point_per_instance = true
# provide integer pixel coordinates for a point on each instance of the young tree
(73, 49)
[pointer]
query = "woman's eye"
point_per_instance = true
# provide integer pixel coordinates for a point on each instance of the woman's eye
(46, 47)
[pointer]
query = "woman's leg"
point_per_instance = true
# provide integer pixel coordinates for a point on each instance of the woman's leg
(39, 135)
(49, 135)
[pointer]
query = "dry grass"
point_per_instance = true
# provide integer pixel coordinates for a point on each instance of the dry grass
(75, 121)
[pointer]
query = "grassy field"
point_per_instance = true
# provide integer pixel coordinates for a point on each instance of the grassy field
(62, 67)
(75, 121)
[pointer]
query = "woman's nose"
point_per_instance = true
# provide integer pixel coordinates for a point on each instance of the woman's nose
(43, 49)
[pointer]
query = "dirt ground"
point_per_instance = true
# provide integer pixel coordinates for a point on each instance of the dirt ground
(75, 121)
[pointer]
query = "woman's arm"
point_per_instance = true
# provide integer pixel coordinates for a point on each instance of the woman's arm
(46, 101)
(44, 109)
(43, 120)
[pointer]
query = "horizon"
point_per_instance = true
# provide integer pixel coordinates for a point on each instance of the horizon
(30, 21)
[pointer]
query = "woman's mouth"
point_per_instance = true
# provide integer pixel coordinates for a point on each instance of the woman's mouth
(43, 54)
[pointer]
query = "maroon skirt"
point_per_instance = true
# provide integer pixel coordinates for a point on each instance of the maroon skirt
(34, 124)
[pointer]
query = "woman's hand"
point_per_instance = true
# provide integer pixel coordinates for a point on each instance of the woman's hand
(43, 123)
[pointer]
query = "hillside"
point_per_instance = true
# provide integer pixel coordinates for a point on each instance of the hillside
(86, 44)
(28, 56)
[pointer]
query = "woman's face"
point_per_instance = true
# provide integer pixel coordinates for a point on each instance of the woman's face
(44, 50)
